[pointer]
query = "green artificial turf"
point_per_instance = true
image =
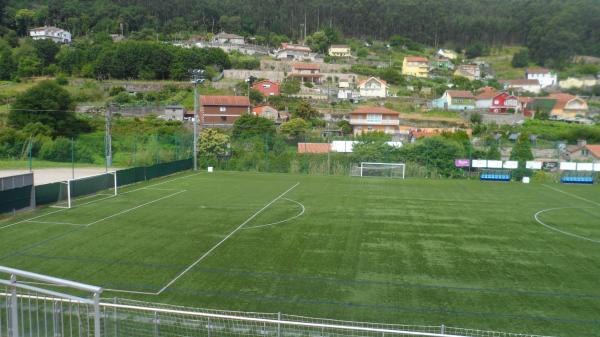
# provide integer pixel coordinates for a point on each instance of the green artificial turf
(455, 252)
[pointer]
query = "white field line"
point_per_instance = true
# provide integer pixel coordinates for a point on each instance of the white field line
(282, 221)
(134, 208)
(224, 239)
(536, 217)
(55, 223)
(573, 195)
(97, 200)
(161, 189)
(131, 292)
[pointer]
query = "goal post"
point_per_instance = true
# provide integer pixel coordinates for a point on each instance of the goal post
(103, 184)
(389, 170)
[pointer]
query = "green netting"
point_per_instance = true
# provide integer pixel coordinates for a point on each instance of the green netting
(15, 199)
(91, 185)
(48, 193)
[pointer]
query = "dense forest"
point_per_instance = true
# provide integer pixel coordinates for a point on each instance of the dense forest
(552, 29)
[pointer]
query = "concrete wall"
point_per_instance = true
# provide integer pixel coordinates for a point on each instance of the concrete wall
(241, 74)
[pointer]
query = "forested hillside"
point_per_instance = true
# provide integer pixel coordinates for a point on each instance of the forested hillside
(552, 29)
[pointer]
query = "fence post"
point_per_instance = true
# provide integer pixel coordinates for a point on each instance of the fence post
(442, 329)
(156, 323)
(96, 314)
(208, 327)
(279, 324)
(116, 319)
(13, 324)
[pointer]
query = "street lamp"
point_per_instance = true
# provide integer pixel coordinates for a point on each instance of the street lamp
(197, 78)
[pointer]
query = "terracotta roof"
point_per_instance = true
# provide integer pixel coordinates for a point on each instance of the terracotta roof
(265, 81)
(306, 66)
(460, 93)
(225, 100)
(314, 147)
(520, 82)
(525, 99)
(416, 59)
(594, 149)
(375, 110)
(305, 75)
(537, 71)
(259, 110)
(487, 92)
(561, 99)
(374, 78)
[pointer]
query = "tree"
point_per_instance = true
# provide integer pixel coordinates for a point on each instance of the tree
(7, 66)
(248, 126)
(24, 20)
(345, 126)
(475, 118)
(520, 59)
(213, 143)
(475, 50)
(493, 153)
(521, 152)
(305, 111)
(296, 127)
(46, 51)
(47, 103)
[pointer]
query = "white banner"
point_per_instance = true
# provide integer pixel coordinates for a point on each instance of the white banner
(478, 163)
(511, 164)
(585, 167)
(534, 165)
(494, 164)
(597, 167)
(568, 166)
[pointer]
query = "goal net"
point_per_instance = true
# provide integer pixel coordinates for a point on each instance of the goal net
(74, 190)
(388, 170)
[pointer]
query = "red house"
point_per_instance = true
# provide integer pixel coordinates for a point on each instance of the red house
(503, 103)
(267, 88)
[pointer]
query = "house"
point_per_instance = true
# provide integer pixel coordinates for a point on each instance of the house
(568, 106)
(306, 72)
(584, 152)
(269, 112)
(373, 87)
(55, 34)
(224, 38)
(267, 88)
(222, 111)
(578, 83)
(521, 85)
(470, 71)
(293, 52)
(545, 77)
(369, 119)
(455, 100)
(343, 84)
(415, 66)
(340, 50)
(174, 112)
(483, 100)
(348, 95)
(504, 103)
(441, 63)
(447, 53)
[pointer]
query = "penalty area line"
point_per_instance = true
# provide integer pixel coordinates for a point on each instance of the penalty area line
(207, 253)
(572, 195)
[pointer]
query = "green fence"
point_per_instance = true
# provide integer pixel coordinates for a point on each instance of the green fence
(15, 199)
(54, 192)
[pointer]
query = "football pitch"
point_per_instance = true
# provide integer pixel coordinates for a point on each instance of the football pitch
(491, 256)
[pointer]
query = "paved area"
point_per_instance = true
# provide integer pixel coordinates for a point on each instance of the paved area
(52, 175)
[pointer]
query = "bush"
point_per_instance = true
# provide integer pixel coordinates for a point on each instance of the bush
(520, 59)
(114, 91)
(62, 79)
(56, 150)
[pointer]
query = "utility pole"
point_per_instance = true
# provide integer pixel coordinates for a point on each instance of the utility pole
(250, 80)
(197, 78)
(108, 139)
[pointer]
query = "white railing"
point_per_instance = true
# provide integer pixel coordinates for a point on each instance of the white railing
(357, 121)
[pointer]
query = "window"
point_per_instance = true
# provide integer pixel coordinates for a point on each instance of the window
(374, 118)
(224, 118)
(266, 86)
(496, 101)
(223, 109)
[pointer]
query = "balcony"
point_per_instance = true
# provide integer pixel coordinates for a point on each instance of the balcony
(356, 121)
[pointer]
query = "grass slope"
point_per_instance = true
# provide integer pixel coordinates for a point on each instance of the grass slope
(462, 253)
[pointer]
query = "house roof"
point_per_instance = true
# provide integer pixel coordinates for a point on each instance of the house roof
(295, 47)
(384, 82)
(460, 93)
(225, 100)
(594, 149)
(561, 99)
(375, 110)
(520, 82)
(537, 71)
(306, 66)
(314, 147)
(487, 93)
(339, 46)
(259, 110)
(223, 35)
(416, 59)
(264, 81)
(47, 28)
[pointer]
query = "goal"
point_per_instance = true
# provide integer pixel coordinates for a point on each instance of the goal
(103, 184)
(389, 170)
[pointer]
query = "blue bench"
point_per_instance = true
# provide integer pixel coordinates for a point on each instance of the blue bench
(494, 177)
(577, 180)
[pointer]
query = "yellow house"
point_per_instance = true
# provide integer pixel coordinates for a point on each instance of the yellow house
(340, 50)
(415, 66)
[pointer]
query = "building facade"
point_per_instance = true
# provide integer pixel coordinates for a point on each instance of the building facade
(544, 76)
(306, 72)
(455, 100)
(222, 111)
(267, 88)
(370, 119)
(55, 34)
(415, 66)
(340, 50)
(504, 103)
(373, 87)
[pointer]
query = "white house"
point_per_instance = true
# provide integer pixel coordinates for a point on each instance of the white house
(546, 77)
(174, 112)
(55, 34)
(373, 87)
(519, 86)
(294, 52)
(348, 94)
(340, 50)
(447, 53)
(226, 38)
